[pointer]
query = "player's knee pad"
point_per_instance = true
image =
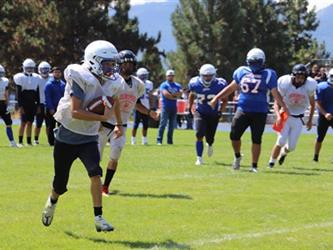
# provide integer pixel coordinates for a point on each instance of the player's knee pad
(136, 125)
(198, 134)
(116, 152)
(39, 122)
(59, 187)
(234, 136)
(97, 171)
(281, 141)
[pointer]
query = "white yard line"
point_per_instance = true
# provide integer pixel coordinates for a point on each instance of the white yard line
(229, 237)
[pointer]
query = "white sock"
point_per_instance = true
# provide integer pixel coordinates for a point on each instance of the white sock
(133, 140)
(272, 160)
(144, 139)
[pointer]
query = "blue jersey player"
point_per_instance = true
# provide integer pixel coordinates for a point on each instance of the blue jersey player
(254, 81)
(324, 96)
(203, 88)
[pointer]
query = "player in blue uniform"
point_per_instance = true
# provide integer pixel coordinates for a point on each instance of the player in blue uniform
(324, 97)
(255, 81)
(203, 88)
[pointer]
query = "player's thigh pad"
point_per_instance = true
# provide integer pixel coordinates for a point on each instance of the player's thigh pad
(295, 132)
(89, 156)
(117, 145)
(240, 123)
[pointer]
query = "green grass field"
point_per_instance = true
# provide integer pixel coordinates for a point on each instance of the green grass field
(164, 201)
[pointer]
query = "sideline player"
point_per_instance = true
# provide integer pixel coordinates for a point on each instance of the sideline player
(255, 81)
(132, 88)
(27, 97)
(324, 101)
(203, 88)
(77, 137)
(4, 113)
(146, 100)
(297, 91)
(44, 69)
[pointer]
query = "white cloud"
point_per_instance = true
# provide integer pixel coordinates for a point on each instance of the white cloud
(138, 2)
(320, 4)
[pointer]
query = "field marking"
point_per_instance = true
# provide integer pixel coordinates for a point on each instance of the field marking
(229, 237)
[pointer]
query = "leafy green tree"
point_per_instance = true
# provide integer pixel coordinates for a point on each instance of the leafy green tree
(221, 33)
(24, 31)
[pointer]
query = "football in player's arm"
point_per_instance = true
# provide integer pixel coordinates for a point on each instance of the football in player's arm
(77, 137)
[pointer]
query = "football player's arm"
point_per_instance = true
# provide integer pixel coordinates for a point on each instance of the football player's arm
(38, 101)
(224, 104)
(78, 112)
(279, 100)
(191, 98)
(327, 115)
(118, 126)
(19, 98)
(7, 95)
(142, 109)
(224, 93)
(312, 108)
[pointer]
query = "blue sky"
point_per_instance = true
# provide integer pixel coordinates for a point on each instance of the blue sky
(318, 3)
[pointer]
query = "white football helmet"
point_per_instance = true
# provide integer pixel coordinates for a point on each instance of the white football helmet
(44, 69)
(96, 53)
(2, 71)
(330, 76)
(142, 73)
(29, 66)
(207, 70)
(255, 59)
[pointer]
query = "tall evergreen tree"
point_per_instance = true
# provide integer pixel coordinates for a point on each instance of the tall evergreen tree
(221, 32)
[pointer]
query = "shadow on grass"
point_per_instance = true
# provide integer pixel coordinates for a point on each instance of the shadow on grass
(168, 244)
(273, 171)
(314, 169)
(156, 196)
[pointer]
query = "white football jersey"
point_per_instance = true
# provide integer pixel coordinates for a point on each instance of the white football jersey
(92, 89)
(296, 99)
(27, 82)
(145, 98)
(128, 97)
(41, 85)
(3, 87)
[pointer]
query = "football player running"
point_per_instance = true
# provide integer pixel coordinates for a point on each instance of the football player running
(77, 137)
(146, 100)
(27, 97)
(203, 89)
(44, 69)
(297, 91)
(129, 98)
(324, 97)
(255, 81)
(4, 110)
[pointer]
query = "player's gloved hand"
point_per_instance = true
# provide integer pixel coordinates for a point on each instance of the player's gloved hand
(219, 113)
